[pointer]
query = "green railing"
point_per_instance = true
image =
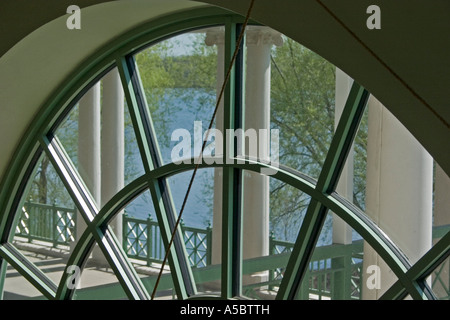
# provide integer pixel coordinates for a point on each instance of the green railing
(335, 271)
(49, 223)
(142, 241)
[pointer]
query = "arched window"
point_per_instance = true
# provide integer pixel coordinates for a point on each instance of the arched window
(94, 208)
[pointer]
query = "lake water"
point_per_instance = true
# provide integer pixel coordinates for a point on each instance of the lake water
(176, 114)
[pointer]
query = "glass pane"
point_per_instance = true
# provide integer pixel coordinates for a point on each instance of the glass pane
(302, 104)
(273, 214)
(201, 223)
(97, 280)
(48, 223)
(179, 77)
(411, 207)
(352, 182)
(133, 167)
(143, 244)
(16, 287)
(440, 280)
(344, 267)
(98, 136)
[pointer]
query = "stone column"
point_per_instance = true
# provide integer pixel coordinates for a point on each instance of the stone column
(257, 116)
(113, 142)
(89, 146)
(216, 36)
(342, 233)
(398, 192)
(112, 150)
(260, 41)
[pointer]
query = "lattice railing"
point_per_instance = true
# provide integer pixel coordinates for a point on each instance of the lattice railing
(333, 270)
(142, 241)
(198, 245)
(48, 223)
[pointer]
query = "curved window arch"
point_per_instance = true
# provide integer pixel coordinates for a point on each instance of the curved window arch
(223, 278)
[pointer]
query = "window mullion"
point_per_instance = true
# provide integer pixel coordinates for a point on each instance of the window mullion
(343, 139)
(32, 273)
(118, 261)
(161, 195)
(88, 209)
(70, 178)
(328, 179)
(432, 259)
(422, 269)
(78, 257)
(139, 115)
(232, 194)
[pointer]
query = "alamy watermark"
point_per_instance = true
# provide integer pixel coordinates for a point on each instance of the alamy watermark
(374, 279)
(73, 280)
(261, 145)
(374, 20)
(74, 20)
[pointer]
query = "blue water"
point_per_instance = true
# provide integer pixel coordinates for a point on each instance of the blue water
(175, 113)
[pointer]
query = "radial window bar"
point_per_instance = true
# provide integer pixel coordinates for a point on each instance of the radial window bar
(12, 255)
(161, 195)
(33, 274)
(106, 241)
(316, 213)
(419, 272)
(234, 108)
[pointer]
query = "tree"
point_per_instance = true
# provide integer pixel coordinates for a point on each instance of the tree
(302, 108)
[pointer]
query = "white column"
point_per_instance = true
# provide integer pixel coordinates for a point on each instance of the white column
(113, 153)
(89, 140)
(257, 116)
(89, 146)
(342, 233)
(112, 150)
(216, 37)
(398, 192)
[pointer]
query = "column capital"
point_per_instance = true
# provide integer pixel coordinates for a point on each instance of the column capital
(261, 35)
(256, 35)
(215, 36)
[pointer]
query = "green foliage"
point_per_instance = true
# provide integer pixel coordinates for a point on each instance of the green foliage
(359, 164)
(155, 80)
(302, 108)
(46, 186)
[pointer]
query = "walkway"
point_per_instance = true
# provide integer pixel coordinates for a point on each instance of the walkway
(53, 262)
